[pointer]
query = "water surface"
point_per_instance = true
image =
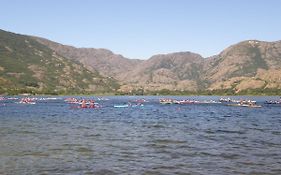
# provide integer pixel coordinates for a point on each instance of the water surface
(50, 137)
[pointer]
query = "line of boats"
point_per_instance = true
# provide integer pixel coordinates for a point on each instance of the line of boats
(226, 101)
(32, 100)
(173, 101)
(242, 103)
(91, 103)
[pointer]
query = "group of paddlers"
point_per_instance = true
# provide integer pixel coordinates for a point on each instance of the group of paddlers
(91, 103)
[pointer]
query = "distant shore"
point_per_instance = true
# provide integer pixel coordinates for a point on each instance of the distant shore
(149, 94)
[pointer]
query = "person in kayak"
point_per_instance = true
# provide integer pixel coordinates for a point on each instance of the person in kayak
(83, 104)
(92, 104)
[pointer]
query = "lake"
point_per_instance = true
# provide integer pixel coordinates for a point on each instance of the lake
(54, 137)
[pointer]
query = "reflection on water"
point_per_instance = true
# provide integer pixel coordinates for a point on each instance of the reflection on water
(52, 138)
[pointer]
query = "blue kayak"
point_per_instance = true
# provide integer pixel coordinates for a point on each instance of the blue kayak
(122, 106)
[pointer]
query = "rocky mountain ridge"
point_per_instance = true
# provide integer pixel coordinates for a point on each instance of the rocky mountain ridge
(250, 64)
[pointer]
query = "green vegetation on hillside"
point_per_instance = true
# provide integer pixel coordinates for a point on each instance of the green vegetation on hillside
(250, 67)
(27, 66)
(39, 66)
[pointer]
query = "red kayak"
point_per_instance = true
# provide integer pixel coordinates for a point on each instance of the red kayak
(86, 107)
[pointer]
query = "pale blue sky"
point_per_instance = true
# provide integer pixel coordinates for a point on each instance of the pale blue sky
(142, 28)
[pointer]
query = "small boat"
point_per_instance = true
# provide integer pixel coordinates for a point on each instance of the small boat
(184, 102)
(12, 98)
(102, 99)
(227, 100)
(207, 102)
(245, 105)
(23, 102)
(27, 100)
(127, 105)
(166, 101)
(271, 102)
(85, 107)
(122, 106)
(72, 100)
(142, 100)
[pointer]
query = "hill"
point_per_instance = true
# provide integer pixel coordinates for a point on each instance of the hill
(175, 71)
(102, 60)
(29, 66)
(40, 65)
(247, 65)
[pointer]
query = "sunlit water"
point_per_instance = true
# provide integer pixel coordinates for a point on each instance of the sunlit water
(50, 137)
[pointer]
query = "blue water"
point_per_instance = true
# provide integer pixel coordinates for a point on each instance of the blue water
(51, 137)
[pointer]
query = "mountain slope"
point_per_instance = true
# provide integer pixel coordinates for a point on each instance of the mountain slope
(243, 66)
(175, 71)
(247, 65)
(102, 60)
(41, 65)
(26, 65)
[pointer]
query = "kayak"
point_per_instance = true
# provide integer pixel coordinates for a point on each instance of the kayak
(127, 106)
(86, 107)
(272, 102)
(121, 106)
(29, 103)
(245, 105)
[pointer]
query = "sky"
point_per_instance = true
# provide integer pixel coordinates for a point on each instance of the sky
(141, 28)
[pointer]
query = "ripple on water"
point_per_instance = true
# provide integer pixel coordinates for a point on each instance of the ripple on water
(154, 139)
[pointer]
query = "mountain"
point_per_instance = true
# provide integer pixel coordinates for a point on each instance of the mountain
(38, 64)
(102, 60)
(249, 64)
(29, 66)
(175, 71)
